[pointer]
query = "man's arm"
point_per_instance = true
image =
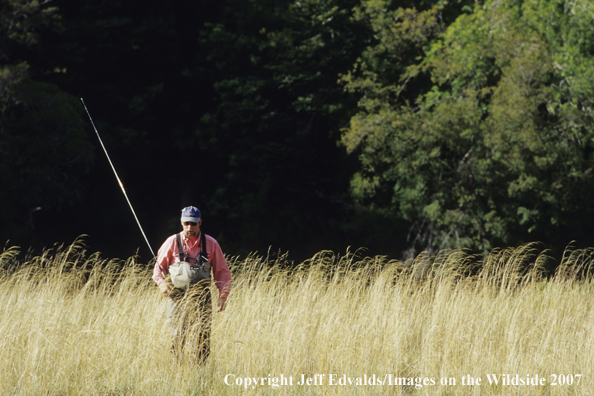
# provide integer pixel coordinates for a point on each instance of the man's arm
(221, 272)
(164, 257)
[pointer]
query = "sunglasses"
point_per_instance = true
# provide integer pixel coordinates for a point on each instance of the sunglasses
(190, 223)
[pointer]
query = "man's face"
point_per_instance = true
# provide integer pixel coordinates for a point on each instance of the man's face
(191, 228)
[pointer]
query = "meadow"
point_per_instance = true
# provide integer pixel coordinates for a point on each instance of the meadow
(74, 323)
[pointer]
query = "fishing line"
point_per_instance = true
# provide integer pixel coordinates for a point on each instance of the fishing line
(117, 177)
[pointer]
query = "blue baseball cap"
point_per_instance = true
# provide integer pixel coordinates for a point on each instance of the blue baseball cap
(190, 213)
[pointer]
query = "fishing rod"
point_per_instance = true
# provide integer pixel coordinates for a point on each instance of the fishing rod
(118, 178)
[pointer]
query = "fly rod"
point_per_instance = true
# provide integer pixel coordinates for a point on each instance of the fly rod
(118, 178)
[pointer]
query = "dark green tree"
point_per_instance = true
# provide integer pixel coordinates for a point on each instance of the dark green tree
(43, 148)
(497, 150)
(236, 109)
(270, 137)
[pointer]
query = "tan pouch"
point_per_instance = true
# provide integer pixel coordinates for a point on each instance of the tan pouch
(184, 274)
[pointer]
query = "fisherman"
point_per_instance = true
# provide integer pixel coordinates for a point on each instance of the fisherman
(182, 272)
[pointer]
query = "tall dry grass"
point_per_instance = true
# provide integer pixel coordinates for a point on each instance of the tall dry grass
(77, 324)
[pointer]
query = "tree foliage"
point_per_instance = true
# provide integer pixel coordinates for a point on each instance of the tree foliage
(472, 122)
(497, 148)
(43, 148)
(270, 136)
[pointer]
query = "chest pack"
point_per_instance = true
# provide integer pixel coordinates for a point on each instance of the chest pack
(184, 274)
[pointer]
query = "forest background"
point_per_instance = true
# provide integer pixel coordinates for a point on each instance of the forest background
(300, 126)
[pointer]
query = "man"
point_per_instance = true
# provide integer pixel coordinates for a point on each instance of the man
(190, 311)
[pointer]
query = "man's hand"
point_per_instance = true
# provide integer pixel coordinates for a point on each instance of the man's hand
(221, 305)
(165, 288)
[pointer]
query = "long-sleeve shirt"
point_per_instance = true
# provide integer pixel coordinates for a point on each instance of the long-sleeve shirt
(169, 254)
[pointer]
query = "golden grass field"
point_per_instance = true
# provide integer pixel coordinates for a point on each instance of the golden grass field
(73, 323)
